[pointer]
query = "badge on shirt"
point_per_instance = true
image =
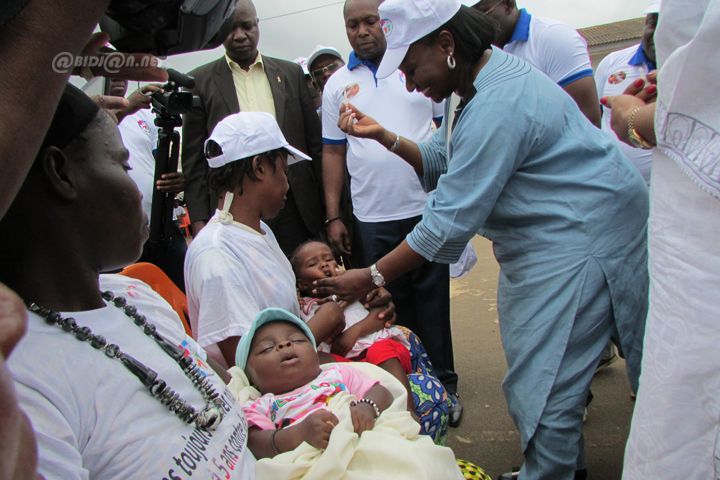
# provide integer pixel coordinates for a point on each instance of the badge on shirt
(350, 91)
(617, 77)
(143, 124)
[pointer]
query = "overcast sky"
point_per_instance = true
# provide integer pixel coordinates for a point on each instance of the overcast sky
(290, 29)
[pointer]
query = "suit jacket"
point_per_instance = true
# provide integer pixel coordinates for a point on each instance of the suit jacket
(295, 115)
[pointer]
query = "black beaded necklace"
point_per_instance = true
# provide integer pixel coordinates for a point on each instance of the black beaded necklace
(207, 419)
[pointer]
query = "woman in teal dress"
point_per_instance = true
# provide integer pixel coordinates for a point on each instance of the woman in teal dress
(565, 210)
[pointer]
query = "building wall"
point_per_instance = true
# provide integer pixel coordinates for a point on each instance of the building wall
(598, 52)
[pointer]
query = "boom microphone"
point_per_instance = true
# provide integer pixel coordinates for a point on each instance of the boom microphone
(180, 79)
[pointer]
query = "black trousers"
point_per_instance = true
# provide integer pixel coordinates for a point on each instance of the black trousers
(422, 296)
(170, 257)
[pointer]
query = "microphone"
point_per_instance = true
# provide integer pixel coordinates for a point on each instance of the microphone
(180, 79)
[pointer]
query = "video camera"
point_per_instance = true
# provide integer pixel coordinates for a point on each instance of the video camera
(167, 27)
(171, 100)
(168, 104)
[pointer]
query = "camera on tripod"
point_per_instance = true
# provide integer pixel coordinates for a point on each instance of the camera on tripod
(168, 104)
(173, 101)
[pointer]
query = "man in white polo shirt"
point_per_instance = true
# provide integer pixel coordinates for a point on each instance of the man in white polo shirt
(554, 48)
(387, 197)
(619, 70)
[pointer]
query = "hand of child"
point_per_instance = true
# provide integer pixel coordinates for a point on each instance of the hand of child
(363, 417)
(381, 298)
(317, 427)
(343, 343)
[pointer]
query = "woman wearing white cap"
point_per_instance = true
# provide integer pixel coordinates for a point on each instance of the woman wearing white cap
(234, 268)
(564, 209)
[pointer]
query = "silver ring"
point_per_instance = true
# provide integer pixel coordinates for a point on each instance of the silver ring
(334, 298)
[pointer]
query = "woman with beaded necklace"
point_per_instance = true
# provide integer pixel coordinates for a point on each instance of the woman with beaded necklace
(112, 385)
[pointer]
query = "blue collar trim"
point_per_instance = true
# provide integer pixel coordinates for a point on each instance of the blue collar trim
(522, 27)
(354, 62)
(641, 59)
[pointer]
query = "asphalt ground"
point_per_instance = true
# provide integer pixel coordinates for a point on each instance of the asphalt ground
(487, 435)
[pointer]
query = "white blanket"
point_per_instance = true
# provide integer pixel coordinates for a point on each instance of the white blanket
(393, 449)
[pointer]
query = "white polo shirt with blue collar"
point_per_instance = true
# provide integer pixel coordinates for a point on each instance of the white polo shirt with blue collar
(613, 75)
(554, 48)
(383, 186)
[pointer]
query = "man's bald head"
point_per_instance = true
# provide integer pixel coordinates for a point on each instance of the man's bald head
(374, 3)
(246, 6)
(242, 41)
(364, 32)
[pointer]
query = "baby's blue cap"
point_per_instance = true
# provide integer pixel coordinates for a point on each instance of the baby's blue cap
(266, 316)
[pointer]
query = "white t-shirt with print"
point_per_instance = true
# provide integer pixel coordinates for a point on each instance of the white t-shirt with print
(383, 187)
(354, 314)
(612, 76)
(232, 273)
(140, 136)
(94, 419)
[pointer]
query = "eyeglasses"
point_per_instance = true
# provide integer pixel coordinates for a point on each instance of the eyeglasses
(488, 11)
(329, 68)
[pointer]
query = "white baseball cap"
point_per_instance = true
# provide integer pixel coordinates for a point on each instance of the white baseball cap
(246, 134)
(407, 21)
(322, 50)
(654, 7)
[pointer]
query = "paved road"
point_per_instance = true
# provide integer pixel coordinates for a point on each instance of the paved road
(487, 435)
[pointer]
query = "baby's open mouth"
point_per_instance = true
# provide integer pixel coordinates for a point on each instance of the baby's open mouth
(288, 357)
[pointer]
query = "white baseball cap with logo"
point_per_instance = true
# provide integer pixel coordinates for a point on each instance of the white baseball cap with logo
(407, 21)
(244, 135)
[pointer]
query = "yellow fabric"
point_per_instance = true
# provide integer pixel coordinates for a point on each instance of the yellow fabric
(393, 449)
(252, 87)
(471, 471)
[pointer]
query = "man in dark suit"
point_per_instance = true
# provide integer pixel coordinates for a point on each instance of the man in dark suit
(244, 80)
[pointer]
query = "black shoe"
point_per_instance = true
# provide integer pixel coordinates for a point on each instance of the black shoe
(455, 411)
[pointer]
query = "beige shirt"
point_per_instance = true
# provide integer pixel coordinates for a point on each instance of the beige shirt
(252, 87)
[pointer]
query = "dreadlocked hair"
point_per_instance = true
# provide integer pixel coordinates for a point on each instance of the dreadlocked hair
(230, 176)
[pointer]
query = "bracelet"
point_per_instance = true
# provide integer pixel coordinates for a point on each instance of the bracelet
(369, 402)
(395, 144)
(634, 136)
(330, 220)
(272, 442)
